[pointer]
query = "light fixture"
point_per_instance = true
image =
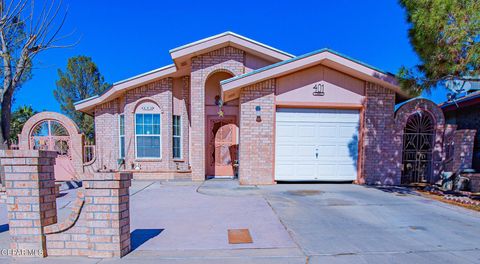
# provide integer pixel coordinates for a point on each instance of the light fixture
(258, 110)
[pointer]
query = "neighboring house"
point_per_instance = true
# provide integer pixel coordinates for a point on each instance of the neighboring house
(465, 113)
(230, 101)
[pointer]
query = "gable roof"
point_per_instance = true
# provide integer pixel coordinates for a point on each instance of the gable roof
(179, 56)
(228, 38)
(325, 57)
(117, 88)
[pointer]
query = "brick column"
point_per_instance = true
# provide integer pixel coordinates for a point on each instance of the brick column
(381, 148)
(30, 188)
(107, 214)
(463, 141)
(257, 136)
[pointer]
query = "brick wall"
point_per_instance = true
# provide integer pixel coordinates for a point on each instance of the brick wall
(380, 151)
(186, 123)
(468, 118)
(106, 135)
(107, 131)
(30, 187)
(160, 92)
(225, 59)
(257, 136)
(463, 141)
(449, 146)
(98, 225)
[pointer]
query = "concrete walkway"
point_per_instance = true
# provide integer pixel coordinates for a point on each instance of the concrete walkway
(182, 222)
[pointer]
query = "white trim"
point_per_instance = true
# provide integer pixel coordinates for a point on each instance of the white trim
(282, 55)
(145, 135)
(180, 136)
(120, 86)
(120, 137)
(323, 57)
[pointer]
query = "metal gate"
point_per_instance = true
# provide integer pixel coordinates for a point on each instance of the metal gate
(52, 135)
(418, 141)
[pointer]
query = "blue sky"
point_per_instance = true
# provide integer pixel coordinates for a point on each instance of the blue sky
(127, 38)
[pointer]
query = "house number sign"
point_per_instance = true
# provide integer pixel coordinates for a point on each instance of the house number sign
(319, 89)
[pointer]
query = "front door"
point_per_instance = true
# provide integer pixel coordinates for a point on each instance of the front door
(222, 146)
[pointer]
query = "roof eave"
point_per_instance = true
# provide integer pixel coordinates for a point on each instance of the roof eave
(117, 88)
(226, 39)
(333, 59)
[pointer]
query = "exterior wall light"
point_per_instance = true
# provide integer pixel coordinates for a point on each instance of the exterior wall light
(258, 110)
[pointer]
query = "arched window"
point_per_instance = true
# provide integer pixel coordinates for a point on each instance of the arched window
(147, 131)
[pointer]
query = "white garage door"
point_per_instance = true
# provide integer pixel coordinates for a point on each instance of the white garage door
(316, 144)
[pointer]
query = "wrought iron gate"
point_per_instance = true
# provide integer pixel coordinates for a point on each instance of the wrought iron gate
(417, 148)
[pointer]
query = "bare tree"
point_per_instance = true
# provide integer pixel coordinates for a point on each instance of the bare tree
(24, 33)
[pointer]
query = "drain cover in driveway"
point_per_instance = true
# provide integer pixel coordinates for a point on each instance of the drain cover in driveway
(239, 236)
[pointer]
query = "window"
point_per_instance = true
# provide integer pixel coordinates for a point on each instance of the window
(121, 134)
(147, 132)
(177, 137)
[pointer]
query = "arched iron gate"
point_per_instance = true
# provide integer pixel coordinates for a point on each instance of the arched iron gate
(418, 139)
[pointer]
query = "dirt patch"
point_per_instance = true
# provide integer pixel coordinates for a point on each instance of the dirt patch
(304, 192)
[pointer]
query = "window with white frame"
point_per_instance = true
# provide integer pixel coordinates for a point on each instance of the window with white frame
(177, 137)
(121, 135)
(147, 131)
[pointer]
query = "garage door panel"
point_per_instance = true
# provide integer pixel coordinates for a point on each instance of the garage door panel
(325, 151)
(307, 131)
(294, 171)
(347, 152)
(285, 130)
(327, 131)
(346, 170)
(348, 131)
(301, 133)
(327, 170)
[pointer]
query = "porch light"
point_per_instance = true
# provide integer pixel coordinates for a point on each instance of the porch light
(258, 109)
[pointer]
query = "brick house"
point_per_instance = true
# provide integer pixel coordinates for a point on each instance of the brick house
(465, 114)
(229, 105)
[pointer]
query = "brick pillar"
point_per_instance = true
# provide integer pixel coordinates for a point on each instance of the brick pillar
(381, 147)
(257, 136)
(463, 141)
(107, 214)
(30, 187)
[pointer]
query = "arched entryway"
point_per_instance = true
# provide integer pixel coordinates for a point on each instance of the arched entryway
(52, 135)
(55, 132)
(221, 135)
(419, 132)
(418, 143)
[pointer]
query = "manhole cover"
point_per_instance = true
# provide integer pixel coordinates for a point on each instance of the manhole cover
(304, 192)
(239, 236)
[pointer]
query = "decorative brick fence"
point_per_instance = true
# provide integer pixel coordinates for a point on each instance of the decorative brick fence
(98, 226)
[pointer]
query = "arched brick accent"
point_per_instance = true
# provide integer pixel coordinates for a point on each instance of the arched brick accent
(401, 116)
(411, 107)
(76, 137)
(228, 59)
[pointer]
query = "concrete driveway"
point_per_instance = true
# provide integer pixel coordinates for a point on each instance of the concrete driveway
(291, 223)
(358, 224)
